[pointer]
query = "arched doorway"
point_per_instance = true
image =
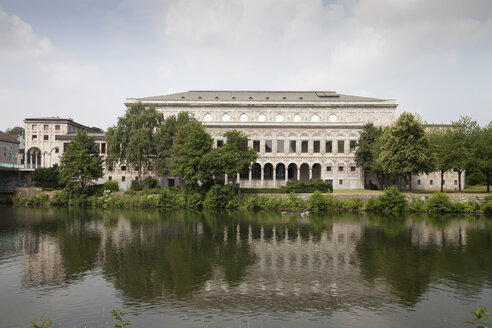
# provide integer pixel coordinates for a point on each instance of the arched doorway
(316, 171)
(256, 171)
(304, 172)
(280, 171)
(292, 171)
(268, 171)
(33, 158)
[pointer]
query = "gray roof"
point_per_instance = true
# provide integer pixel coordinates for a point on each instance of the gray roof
(290, 96)
(57, 119)
(6, 138)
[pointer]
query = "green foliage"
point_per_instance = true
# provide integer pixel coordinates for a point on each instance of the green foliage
(190, 146)
(133, 140)
(220, 196)
(149, 183)
(317, 202)
(416, 205)
(81, 162)
(42, 323)
(135, 185)
(30, 201)
(16, 130)
(263, 190)
(119, 316)
(308, 187)
(405, 148)
(391, 200)
(47, 177)
(111, 186)
(439, 203)
(481, 317)
(486, 205)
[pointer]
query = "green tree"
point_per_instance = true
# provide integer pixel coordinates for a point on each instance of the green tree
(482, 152)
(165, 137)
(133, 139)
(15, 130)
(440, 145)
(81, 162)
(190, 146)
(47, 177)
(461, 138)
(232, 158)
(405, 149)
(368, 149)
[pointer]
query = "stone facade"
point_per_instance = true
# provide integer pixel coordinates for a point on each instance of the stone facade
(9, 149)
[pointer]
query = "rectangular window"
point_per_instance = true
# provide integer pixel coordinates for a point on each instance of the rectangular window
(65, 146)
(455, 182)
(110, 178)
(34, 137)
(352, 168)
(418, 182)
(352, 146)
(341, 145)
(256, 145)
(443, 182)
(46, 137)
(34, 127)
(220, 143)
(280, 146)
(46, 127)
(57, 150)
(123, 168)
(103, 148)
(268, 146)
(57, 127)
(328, 168)
(431, 182)
(316, 146)
(329, 146)
(292, 146)
(123, 179)
(304, 146)
(340, 181)
(340, 169)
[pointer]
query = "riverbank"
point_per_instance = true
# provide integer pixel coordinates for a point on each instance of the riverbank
(226, 197)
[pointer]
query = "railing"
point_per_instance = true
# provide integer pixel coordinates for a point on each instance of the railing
(14, 166)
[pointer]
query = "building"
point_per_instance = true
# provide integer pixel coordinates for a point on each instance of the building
(9, 150)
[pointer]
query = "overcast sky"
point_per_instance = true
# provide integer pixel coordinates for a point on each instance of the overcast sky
(81, 59)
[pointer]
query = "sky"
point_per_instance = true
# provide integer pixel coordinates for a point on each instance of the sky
(82, 59)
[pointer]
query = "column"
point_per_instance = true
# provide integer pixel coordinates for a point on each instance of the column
(310, 173)
(226, 178)
(274, 176)
(298, 172)
(286, 174)
(250, 177)
(238, 179)
(262, 168)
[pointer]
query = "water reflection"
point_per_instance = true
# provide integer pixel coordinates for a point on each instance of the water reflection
(244, 260)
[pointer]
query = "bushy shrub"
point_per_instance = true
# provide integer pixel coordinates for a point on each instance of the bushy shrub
(218, 196)
(59, 198)
(149, 183)
(292, 202)
(486, 205)
(416, 205)
(308, 187)
(34, 200)
(111, 186)
(439, 203)
(458, 207)
(317, 202)
(472, 206)
(392, 200)
(135, 185)
(47, 177)
(372, 204)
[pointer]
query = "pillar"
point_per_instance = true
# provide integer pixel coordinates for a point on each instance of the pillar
(274, 176)
(226, 178)
(299, 173)
(262, 173)
(250, 177)
(286, 174)
(238, 179)
(310, 173)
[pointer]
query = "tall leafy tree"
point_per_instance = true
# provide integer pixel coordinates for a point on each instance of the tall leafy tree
(190, 146)
(482, 152)
(165, 137)
(368, 149)
(15, 130)
(81, 162)
(405, 149)
(133, 139)
(440, 145)
(461, 138)
(232, 158)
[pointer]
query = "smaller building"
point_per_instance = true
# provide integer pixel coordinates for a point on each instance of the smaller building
(9, 150)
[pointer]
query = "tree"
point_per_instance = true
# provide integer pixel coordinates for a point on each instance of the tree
(165, 137)
(440, 145)
(133, 139)
(482, 152)
(232, 158)
(81, 162)
(405, 149)
(368, 148)
(461, 137)
(47, 177)
(15, 130)
(191, 144)
(95, 128)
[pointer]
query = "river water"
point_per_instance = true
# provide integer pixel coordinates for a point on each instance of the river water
(242, 269)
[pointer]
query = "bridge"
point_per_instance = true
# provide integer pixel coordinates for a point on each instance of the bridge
(12, 177)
